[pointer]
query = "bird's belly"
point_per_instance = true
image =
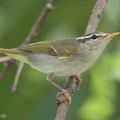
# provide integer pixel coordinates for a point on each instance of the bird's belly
(51, 64)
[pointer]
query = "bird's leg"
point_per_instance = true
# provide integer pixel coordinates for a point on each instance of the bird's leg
(64, 92)
(78, 79)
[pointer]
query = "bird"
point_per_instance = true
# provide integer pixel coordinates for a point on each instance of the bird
(64, 57)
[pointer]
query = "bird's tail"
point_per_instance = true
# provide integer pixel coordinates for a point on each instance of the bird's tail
(15, 54)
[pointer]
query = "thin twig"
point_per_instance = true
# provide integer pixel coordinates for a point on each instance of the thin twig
(6, 59)
(8, 63)
(6, 68)
(33, 33)
(21, 64)
(40, 21)
(1, 1)
(92, 25)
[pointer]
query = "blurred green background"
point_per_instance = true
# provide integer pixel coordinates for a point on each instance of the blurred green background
(99, 94)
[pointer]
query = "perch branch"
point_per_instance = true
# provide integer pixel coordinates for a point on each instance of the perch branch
(91, 27)
(62, 102)
(96, 16)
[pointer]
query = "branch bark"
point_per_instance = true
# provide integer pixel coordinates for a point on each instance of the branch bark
(91, 27)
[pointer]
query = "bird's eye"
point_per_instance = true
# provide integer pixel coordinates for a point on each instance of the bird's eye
(94, 37)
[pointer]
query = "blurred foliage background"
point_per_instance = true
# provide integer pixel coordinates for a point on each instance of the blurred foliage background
(99, 94)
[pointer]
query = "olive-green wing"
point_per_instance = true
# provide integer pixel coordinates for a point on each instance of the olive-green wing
(39, 47)
(59, 48)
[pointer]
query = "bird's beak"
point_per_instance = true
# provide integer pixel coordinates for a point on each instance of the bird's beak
(110, 36)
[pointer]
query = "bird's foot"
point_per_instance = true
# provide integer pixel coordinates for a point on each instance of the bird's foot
(79, 80)
(66, 94)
